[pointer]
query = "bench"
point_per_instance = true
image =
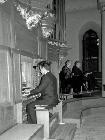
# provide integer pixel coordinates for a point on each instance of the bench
(50, 123)
(11, 129)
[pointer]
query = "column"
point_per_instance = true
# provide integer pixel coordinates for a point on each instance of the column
(102, 10)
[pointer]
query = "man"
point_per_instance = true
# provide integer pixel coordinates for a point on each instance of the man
(66, 78)
(47, 88)
(78, 77)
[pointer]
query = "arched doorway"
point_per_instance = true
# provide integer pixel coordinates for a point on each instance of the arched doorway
(90, 51)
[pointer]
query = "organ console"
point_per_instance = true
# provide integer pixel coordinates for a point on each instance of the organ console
(30, 79)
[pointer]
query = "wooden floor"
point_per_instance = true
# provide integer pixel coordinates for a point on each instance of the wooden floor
(64, 132)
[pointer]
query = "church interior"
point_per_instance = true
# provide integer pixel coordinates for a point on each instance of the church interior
(53, 30)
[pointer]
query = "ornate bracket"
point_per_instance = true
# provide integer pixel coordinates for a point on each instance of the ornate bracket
(100, 6)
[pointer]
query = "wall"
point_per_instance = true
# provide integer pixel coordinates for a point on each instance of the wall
(5, 23)
(25, 39)
(13, 34)
(13, 30)
(77, 23)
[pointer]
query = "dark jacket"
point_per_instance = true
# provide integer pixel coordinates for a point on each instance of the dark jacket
(76, 71)
(66, 72)
(65, 78)
(48, 89)
(77, 79)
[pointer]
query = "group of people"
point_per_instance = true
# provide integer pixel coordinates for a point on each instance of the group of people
(71, 78)
(74, 78)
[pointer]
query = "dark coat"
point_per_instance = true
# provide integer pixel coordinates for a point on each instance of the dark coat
(48, 89)
(65, 80)
(77, 79)
(76, 71)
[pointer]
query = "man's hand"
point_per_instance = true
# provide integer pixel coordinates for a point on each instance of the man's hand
(28, 96)
(32, 91)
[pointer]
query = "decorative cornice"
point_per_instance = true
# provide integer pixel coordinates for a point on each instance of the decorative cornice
(101, 6)
(79, 5)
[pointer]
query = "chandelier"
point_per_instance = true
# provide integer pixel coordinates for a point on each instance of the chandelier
(35, 19)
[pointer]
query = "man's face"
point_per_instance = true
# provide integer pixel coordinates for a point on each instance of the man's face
(42, 70)
(78, 65)
(69, 64)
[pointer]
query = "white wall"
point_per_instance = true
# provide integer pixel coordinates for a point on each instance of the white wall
(77, 23)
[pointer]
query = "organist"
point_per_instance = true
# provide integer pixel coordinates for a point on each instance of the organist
(48, 89)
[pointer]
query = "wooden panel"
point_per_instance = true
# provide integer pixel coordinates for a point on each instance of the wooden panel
(43, 48)
(6, 29)
(7, 119)
(5, 35)
(26, 70)
(17, 78)
(5, 81)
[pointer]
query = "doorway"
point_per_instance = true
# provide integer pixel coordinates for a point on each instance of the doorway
(90, 51)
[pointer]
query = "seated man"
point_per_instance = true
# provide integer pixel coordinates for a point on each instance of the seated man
(48, 90)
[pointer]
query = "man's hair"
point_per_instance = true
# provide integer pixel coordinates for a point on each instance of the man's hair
(45, 64)
(67, 62)
(76, 62)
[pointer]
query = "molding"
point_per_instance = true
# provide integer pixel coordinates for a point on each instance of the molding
(39, 5)
(80, 5)
(102, 6)
(81, 9)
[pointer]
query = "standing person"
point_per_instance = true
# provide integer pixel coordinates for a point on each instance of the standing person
(47, 88)
(65, 78)
(77, 77)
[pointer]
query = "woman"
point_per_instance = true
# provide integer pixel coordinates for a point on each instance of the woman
(47, 88)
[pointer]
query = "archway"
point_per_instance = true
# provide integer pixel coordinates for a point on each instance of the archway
(90, 51)
(92, 28)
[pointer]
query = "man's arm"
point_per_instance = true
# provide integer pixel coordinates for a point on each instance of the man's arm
(43, 84)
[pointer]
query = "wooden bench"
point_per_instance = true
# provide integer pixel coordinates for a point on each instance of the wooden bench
(50, 123)
(54, 129)
(11, 129)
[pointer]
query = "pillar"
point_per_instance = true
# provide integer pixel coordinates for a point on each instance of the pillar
(102, 10)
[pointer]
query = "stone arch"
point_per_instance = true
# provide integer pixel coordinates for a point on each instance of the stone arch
(89, 25)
